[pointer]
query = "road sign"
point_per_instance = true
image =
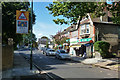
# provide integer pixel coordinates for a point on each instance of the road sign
(22, 15)
(22, 23)
(22, 18)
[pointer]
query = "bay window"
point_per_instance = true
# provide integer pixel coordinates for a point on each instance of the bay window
(85, 29)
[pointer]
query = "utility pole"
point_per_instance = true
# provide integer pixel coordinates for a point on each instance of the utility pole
(31, 35)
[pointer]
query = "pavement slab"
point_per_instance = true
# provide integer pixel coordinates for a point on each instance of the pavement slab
(21, 69)
(112, 63)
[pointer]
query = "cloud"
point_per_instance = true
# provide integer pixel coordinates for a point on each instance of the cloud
(39, 35)
(46, 29)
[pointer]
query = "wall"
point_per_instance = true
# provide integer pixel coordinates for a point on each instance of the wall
(7, 57)
(108, 33)
(74, 34)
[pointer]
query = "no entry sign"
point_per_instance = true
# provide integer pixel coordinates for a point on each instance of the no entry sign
(22, 18)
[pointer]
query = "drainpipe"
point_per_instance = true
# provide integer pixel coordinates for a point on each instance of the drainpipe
(97, 34)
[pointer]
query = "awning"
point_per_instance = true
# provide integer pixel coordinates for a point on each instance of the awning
(75, 46)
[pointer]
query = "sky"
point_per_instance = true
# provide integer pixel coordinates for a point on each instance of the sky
(44, 25)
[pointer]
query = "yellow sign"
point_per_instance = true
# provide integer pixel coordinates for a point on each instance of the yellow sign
(22, 19)
(22, 15)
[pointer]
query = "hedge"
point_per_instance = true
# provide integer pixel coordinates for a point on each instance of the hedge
(102, 47)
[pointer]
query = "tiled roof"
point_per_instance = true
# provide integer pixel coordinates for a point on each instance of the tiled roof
(70, 28)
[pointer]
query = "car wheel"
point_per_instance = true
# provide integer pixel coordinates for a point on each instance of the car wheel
(59, 57)
(55, 56)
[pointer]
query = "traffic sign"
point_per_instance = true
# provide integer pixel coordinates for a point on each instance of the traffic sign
(22, 18)
(22, 15)
(22, 27)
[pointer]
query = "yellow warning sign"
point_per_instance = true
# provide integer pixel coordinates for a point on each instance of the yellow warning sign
(22, 15)
(22, 20)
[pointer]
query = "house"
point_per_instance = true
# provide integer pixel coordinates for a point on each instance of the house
(96, 29)
(43, 41)
(93, 29)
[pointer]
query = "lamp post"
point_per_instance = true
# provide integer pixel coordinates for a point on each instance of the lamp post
(31, 34)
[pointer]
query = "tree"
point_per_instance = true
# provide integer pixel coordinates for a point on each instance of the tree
(44, 37)
(59, 41)
(115, 10)
(9, 20)
(74, 11)
(27, 38)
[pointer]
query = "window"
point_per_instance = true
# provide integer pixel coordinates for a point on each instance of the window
(82, 29)
(85, 29)
(62, 51)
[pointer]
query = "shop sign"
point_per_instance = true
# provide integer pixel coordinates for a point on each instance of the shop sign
(74, 41)
(85, 40)
(67, 40)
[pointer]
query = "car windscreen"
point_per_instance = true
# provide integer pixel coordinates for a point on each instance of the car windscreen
(52, 50)
(62, 51)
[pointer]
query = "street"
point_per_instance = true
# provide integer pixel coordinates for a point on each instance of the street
(67, 68)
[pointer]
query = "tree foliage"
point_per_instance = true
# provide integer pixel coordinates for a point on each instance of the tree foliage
(9, 20)
(44, 37)
(74, 11)
(59, 41)
(115, 10)
(27, 38)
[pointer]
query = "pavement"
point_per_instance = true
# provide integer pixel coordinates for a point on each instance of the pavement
(110, 63)
(21, 70)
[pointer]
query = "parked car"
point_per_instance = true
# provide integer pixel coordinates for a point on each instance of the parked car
(62, 54)
(50, 52)
(45, 49)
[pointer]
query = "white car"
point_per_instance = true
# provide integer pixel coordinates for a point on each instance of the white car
(62, 54)
(50, 52)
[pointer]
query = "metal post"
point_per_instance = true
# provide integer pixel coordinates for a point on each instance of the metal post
(97, 34)
(31, 35)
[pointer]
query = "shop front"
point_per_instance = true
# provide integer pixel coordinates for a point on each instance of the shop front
(78, 47)
(74, 47)
(87, 46)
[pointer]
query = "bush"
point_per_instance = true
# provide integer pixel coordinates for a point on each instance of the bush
(102, 47)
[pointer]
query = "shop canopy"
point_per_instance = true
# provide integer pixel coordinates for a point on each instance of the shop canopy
(75, 45)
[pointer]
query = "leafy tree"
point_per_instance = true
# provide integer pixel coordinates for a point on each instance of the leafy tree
(74, 11)
(59, 41)
(115, 10)
(9, 20)
(44, 37)
(27, 38)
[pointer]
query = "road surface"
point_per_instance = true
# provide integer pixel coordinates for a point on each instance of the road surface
(68, 69)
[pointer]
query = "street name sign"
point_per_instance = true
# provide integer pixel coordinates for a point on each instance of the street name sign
(22, 19)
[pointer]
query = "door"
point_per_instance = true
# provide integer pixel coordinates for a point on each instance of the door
(88, 51)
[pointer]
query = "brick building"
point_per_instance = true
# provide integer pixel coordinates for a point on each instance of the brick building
(93, 29)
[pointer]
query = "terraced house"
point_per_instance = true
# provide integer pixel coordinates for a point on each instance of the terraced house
(91, 30)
